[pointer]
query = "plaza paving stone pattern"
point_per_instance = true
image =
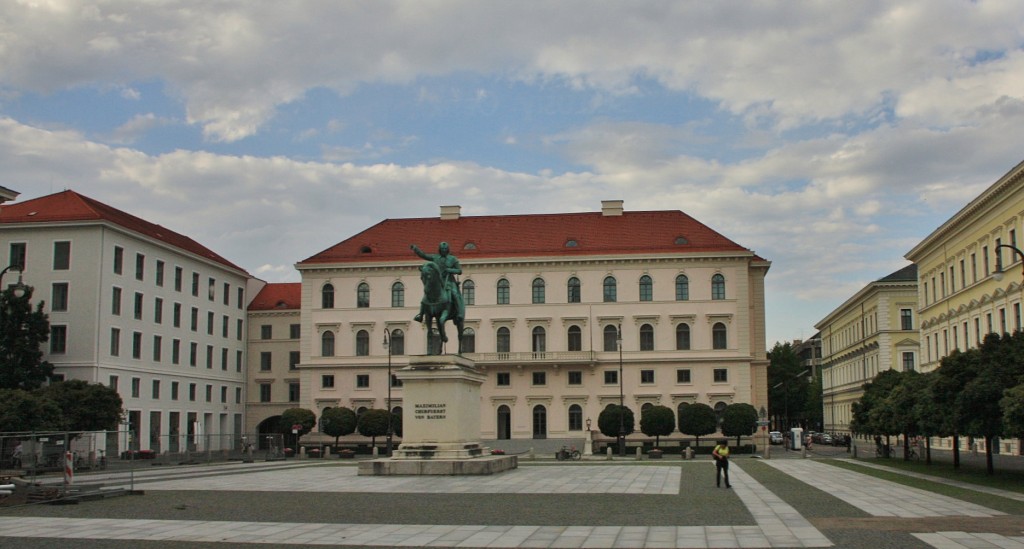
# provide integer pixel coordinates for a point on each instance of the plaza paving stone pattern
(772, 503)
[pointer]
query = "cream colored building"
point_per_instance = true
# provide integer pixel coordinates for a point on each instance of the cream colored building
(873, 331)
(273, 375)
(546, 297)
(960, 294)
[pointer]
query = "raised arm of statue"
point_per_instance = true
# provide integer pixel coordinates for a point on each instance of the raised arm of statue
(420, 253)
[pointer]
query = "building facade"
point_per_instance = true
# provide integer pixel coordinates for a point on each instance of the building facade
(140, 308)
(548, 298)
(873, 331)
(969, 275)
(274, 335)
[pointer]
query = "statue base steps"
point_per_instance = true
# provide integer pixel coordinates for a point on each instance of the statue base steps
(484, 465)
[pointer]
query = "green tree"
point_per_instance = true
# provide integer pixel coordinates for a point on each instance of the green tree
(1012, 405)
(739, 420)
(85, 406)
(608, 420)
(338, 422)
(903, 403)
(875, 393)
(813, 412)
(954, 372)
(657, 421)
(697, 420)
(373, 423)
(979, 400)
(22, 334)
(21, 410)
(787, 388)
(299, 419)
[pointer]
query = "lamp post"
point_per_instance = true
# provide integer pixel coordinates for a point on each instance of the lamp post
(19, 287)
(998, 274)
(387, 345)
(622, 399)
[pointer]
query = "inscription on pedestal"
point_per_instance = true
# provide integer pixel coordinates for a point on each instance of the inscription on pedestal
(429, 411)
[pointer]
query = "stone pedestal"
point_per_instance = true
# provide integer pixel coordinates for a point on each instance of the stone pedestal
(440, 422)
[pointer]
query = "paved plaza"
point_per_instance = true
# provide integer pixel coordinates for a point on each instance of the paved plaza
(772, 503)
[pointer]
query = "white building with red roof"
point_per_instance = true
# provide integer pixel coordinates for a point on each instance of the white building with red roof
(142, 308)
(274, 343)
(546, 297)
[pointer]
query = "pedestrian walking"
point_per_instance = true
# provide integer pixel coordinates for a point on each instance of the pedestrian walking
(721, 455)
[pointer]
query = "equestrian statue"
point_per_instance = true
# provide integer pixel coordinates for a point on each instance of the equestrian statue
(442, 299)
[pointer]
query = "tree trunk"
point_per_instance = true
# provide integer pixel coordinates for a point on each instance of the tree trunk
(928, 450)
(956, 451)
(906, 447)
(989, 469)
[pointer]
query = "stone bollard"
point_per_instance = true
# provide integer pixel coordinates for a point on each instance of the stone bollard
(689, 453)
(608, 453)
(803, 451)
(374, 452)
(639, 453)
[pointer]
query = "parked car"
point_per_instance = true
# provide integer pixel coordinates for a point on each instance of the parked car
(826, 439)
(775, 437)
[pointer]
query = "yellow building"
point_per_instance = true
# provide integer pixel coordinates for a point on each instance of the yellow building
(871, 332)
(963, 294)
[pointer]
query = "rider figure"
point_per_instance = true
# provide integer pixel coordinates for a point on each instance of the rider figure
(449, 267)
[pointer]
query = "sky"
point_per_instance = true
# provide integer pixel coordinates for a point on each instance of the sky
(828, 137)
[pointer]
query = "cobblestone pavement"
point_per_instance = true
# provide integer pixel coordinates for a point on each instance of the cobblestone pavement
(776, 503)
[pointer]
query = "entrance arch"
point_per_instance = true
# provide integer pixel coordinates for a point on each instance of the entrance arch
(504, 422)
(269, 426)
(540, 421)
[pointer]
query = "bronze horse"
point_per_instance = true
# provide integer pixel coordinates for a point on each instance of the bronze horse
(437, 306)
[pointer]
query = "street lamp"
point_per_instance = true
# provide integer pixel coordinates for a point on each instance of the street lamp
(588, 424)
(622, 405)
(18, 288)
(387, 345)
(998, 274)
(785, 392)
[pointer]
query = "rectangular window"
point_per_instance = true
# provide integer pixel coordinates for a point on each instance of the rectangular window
(1002, 321)
(646, 376)
(906, 319)
(223, 394)
(175, 351)
(136, 387)
(683, 375)
(265, 358)
(238, 329)
(192, 392)
(58, 339)
(963, 275)
(293, 360)
(113, 383)
(209, 357)
(540, 379)
(575, 377)
(241, 297)
(294, 331)
(115, 342)
(238, 361)
(264, 392)
(17, 255)
(209, 322)
(1016, 317)
(327, 381)
(158, 310)
(238, 395)
(209, 393)
(174, 390)
(59, 297)
(974, 268)
(158, 343)
(61, 255)
(721, 375)
(179, 273)
(227, 293)
(224, 322)
(138, 306)
(224, 359)
(118, 260)
(504, 379)
(177, 315)
(156, 389)
(140, 266)
(266, 331)
(159, 273)
(984, 259)
(293, 392)
(195, 319)
(195, 284)
(211, 289)
(908, 361)
(362, 381)
(115, 301)
(611, 377)
(137, 345)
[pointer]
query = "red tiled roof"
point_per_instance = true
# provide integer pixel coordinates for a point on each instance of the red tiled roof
(511, 236)
(278, 296)
(69, 206)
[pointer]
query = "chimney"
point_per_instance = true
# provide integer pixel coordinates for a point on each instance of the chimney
(611, 208)
(450, 212)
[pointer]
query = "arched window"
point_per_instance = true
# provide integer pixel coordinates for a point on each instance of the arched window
(573, 290)
(327, 344)
(646, 288)
(538, 290)
(575, 342)
(397, 342)
(539, 339)
(503, 292)
(682, 288)
(468, 341)
(679, 414)
(362, 343)
(610, 292)
(683, 337)
(719, 339)
(540, 422)
(575, 418)
(327, 296)
(719, 410)
(363, 295)
(504, 340)
(646, 337)
(718, 287)
(646, 406)
(611, 336)
(469, 292)
(398, 294)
